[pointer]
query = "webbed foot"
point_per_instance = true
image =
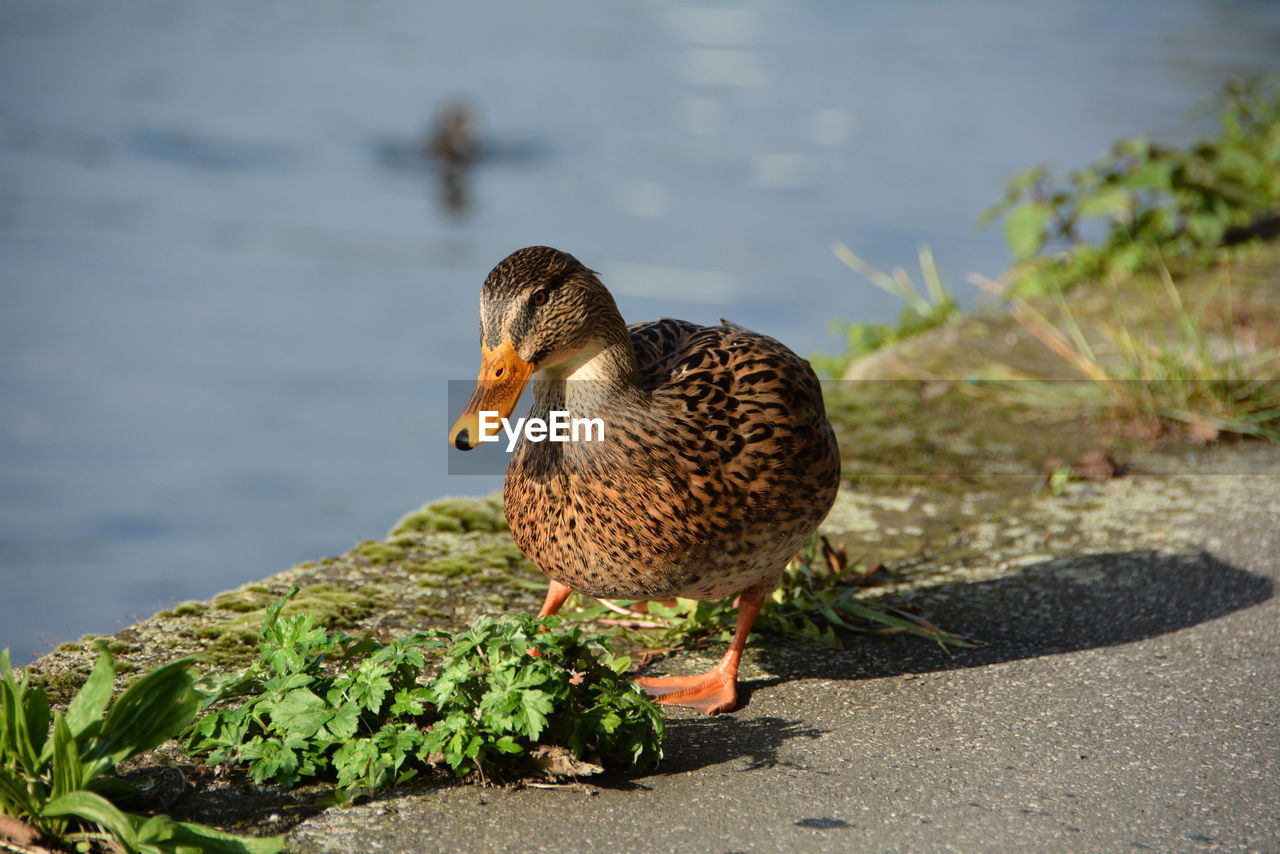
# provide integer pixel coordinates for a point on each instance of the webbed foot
(711, 693)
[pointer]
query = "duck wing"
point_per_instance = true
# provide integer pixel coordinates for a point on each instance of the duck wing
(744, 420)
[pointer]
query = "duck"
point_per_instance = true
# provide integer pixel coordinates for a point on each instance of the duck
(715, 465)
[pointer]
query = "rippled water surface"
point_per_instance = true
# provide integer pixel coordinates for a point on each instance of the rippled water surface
(230, 299)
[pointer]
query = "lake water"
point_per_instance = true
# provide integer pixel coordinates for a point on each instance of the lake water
(230, 301)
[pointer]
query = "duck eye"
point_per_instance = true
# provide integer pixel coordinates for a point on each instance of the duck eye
(539, 297)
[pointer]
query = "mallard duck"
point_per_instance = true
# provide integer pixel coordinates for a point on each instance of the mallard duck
(716, 465)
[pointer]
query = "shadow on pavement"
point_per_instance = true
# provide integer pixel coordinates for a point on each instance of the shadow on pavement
(1052, 607)
(694, 743)
(1057, 606)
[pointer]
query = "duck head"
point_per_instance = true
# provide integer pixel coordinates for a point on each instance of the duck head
(540, 310)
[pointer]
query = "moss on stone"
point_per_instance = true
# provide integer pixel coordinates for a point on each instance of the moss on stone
(449, 567)
(233, 640)
(231, 647)
(333, 606)
(503, 555)
(381, 552)
(458, 515)
(60, 685)
(240, 602)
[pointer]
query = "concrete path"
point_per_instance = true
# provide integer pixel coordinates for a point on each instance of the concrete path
(1127, 699)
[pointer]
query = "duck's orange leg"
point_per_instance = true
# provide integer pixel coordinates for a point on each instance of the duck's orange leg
(716, 690)
(556, 594)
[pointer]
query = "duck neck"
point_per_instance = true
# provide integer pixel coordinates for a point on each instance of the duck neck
(599, 376)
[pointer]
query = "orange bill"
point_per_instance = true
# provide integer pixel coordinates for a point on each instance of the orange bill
(503, 375)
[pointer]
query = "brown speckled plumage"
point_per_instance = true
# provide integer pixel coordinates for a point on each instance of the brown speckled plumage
(718, 459)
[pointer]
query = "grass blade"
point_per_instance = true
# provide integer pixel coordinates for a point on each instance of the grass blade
(91, 700)
(68, 771)
(167, 834)
(155, 708)
(96, 809)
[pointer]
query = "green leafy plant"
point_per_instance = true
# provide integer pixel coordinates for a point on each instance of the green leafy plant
(1145, 202)
(54, 765)
(316, 703)
(920, 312)
(818, 595)
(509, 685)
